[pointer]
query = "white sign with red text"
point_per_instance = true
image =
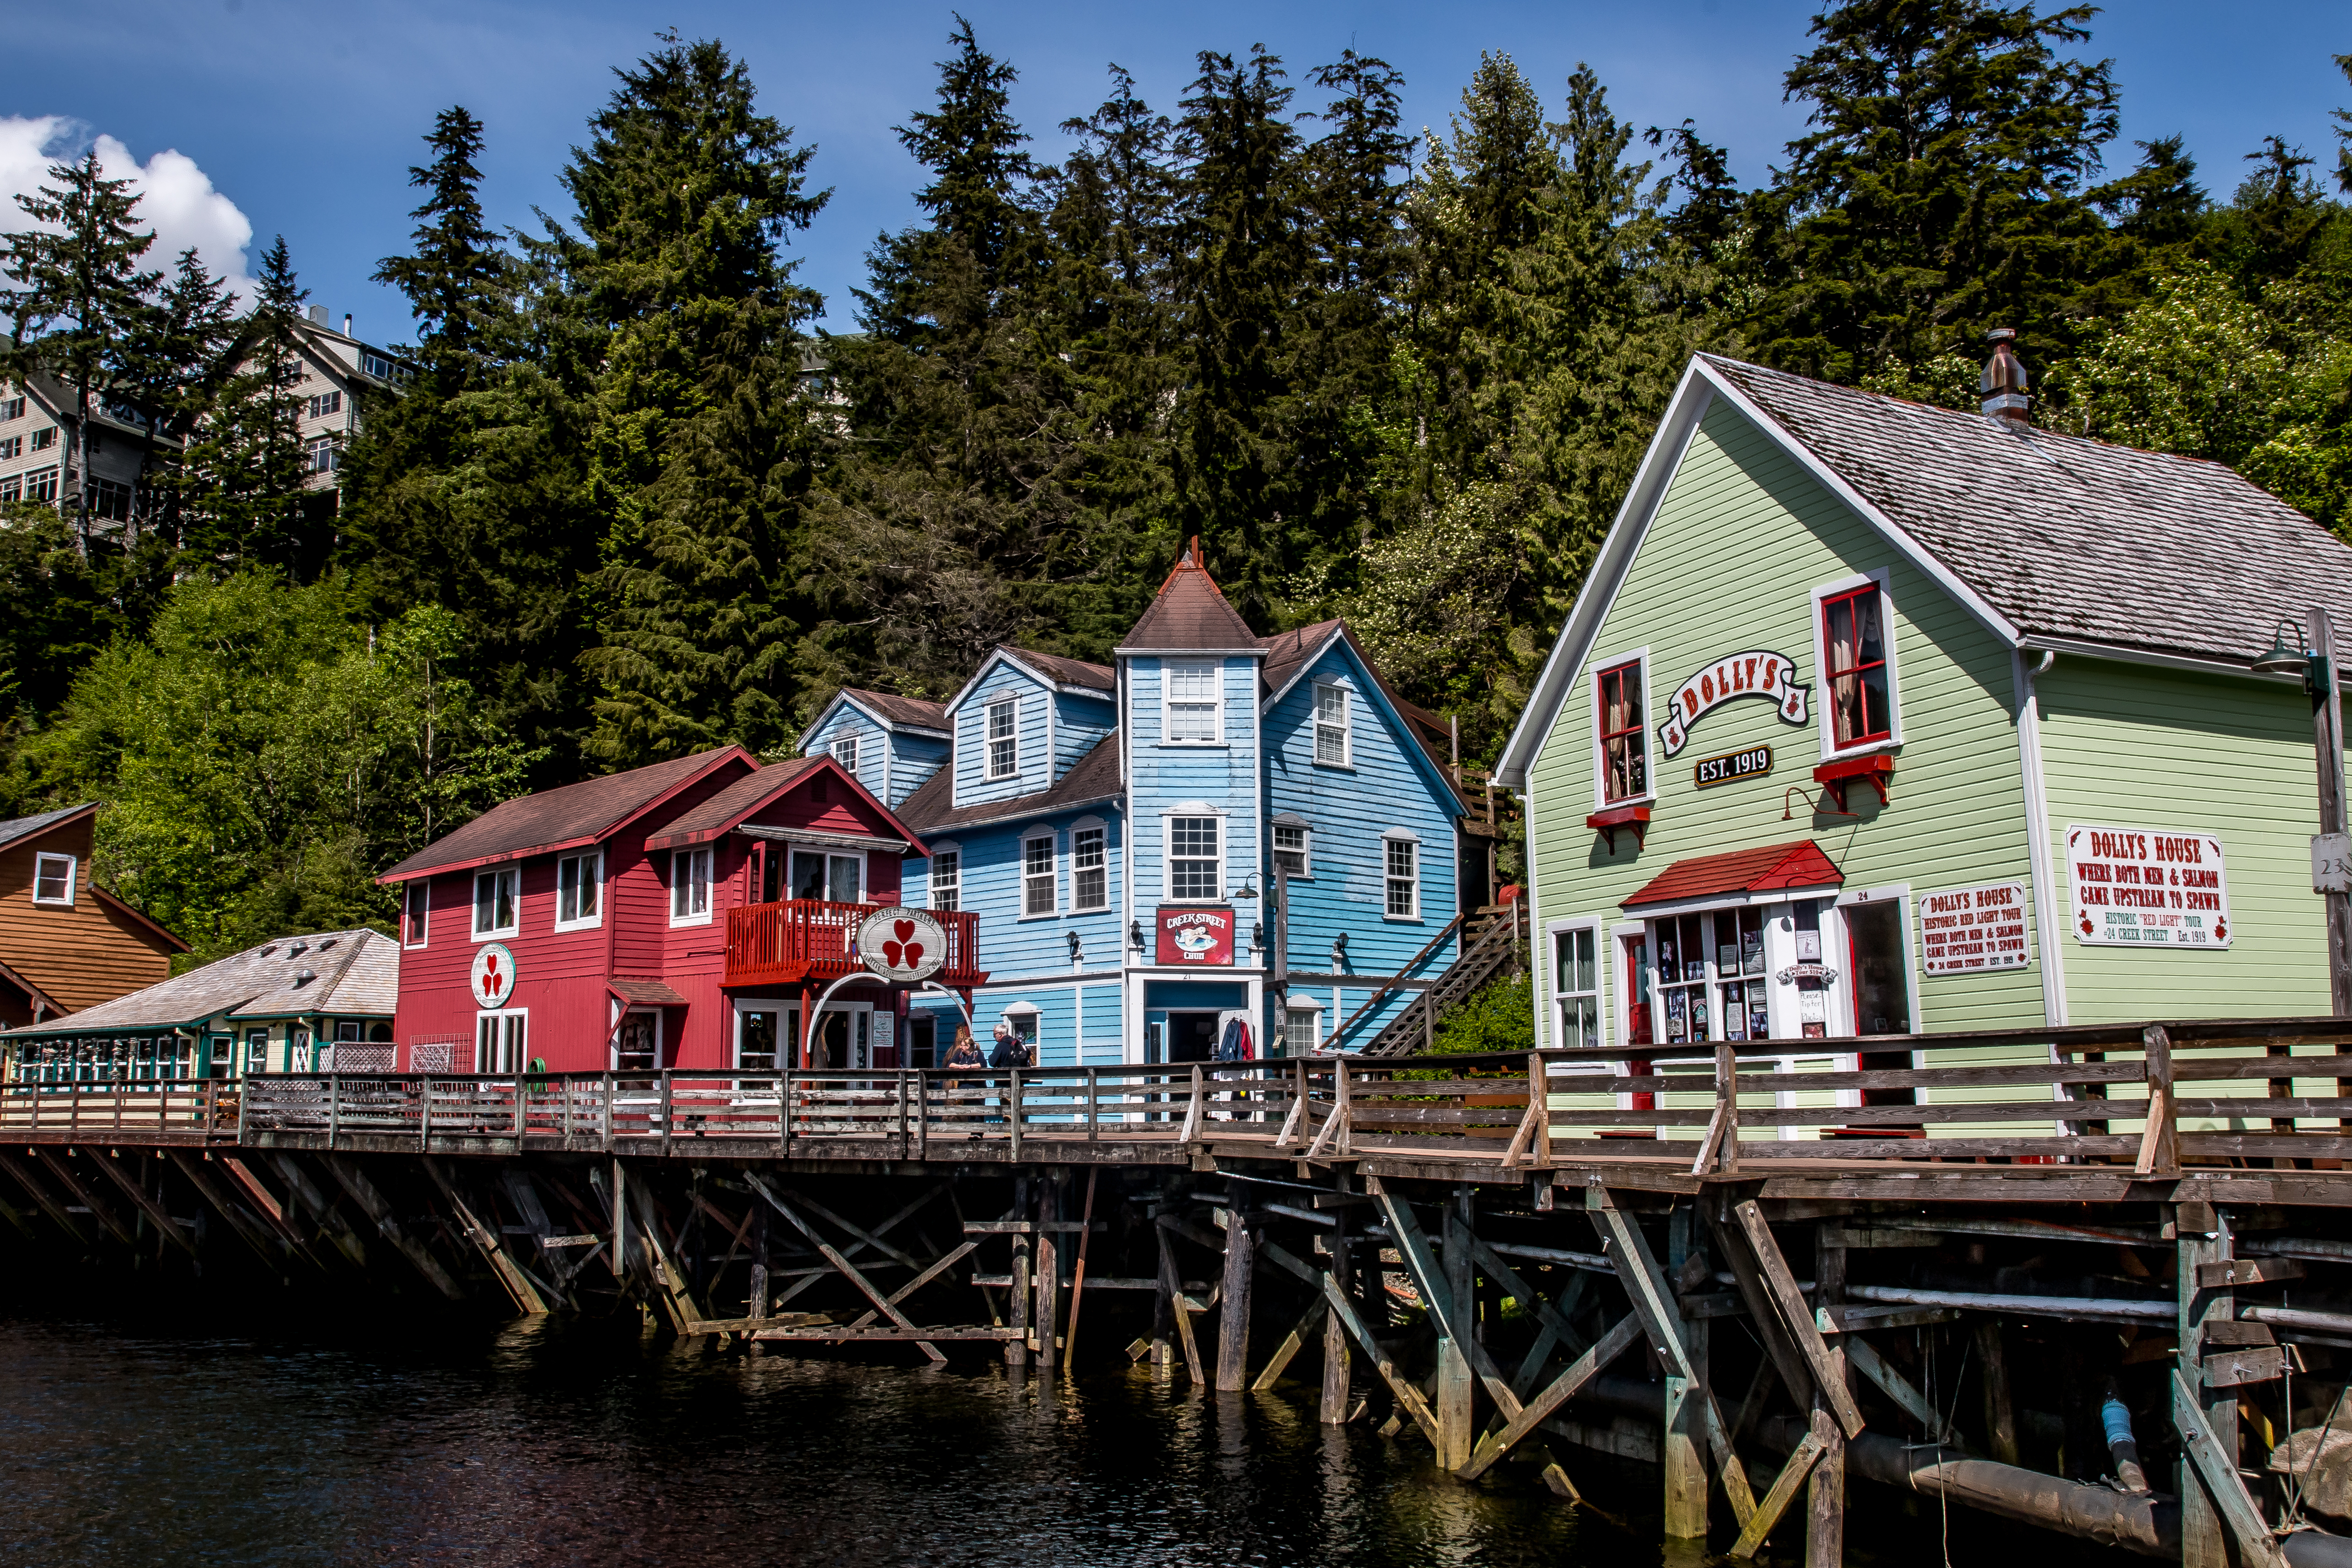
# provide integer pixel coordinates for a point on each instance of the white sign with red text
(494, 975)
(2147, 887)
(1973, 930)
(1768, 675)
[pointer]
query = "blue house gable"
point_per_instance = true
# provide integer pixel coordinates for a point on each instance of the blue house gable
(1119, 833)
(892, 744)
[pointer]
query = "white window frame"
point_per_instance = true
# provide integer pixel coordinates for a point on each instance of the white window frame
(1274, 850)
(932, 877)
(688, 859)
(1089, 825)
(581, 922)
(1169, 670)
(1389, 878)
(499, 1017)
(613, 1041)
(513, 927)
(73, 879)
(1898, 893)
(416, 899)
(1314, 1014)
(1168, 820)
(990, 740)
(846, 763)
(788, 1032)
(1053, 877)
(1824, 703)
(1593, 670)
(830, 852)
(1346, 727)
(1556, 1000)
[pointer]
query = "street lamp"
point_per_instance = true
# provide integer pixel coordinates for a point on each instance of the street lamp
(2311, 654)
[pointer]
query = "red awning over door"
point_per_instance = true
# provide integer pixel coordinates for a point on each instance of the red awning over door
(1766, 870)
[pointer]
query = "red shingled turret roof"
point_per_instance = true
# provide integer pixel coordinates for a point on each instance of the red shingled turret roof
(1191, 615)
(1769, 869)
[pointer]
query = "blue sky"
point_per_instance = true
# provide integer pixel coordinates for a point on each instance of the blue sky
(304, 118)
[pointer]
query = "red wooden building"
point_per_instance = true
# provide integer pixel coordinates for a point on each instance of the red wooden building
(683, 914)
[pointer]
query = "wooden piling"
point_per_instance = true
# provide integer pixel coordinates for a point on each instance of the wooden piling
(1234, 1315)
(1825, 1487)
(1049, 1270)
(1456, 1386)
(2204, 1239)
(1684, 1450)
(1334, 1407)
(1017, 1349)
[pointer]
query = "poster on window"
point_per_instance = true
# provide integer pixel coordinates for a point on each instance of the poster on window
(2146, 887)
(1973, 930)
(1195, 935)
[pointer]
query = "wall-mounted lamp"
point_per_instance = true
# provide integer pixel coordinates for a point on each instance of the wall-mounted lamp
(1788, 812)
(1135, 934)
(1248, 888)
(1339, 953)
(1077, 951)
(2295, 658)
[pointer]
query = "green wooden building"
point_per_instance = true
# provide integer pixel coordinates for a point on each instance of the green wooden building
(1878, 718)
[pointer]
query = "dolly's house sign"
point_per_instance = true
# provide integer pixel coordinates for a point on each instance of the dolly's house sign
(1973, 930)
(1758, 674)
(2144, 887)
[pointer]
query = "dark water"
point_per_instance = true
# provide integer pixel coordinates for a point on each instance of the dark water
(560, 1445)
(427, 1441)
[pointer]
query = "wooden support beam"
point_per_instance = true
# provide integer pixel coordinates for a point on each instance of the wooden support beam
(1024, 1280)
(1825, 1487)
(2215, 1465)
(8, 1211)
(1317, 1314)
(1456, 1407)
(849, 1272)
(1171, 1291)
(1409, 1398)
(1999, 1406)
(372, 1203)
(2204, 1239)
(489, 1243)
(1780, 1351)
(1628, 1332)
(1333, 1407)
(1783, 1491)
(41, 1197)
(671, 1291)
(946, 1260)
(1049, 1270)
(1233, 1316)
(112, 1167)
(1683, 1429)
(60, 1167)
(549, 1276)
(322, 1210)
(1865, 1360)
(1653, 1303)
(1780, 1285)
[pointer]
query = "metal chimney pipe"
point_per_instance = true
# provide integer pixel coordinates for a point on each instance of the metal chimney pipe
(2004, 380)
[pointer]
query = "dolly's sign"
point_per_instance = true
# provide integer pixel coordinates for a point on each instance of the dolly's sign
(1973, 930)
(2142, 887)
(1195, 935)
(1757, 675)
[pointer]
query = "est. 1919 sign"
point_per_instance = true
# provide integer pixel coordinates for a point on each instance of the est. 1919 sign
(1731, 766)
(2148, 888)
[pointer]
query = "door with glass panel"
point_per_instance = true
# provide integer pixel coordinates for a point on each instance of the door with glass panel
(498, 1042)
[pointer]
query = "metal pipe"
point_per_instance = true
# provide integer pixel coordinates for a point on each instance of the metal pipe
(2095, 1308)
(2116, 1416)
(2297, 1318)
(2036, 1229)
(2310, 1246)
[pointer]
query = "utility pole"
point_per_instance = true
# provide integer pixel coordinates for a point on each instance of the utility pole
(2331, 852)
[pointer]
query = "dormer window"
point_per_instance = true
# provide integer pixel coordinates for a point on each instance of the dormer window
(844, 751)
(1194, 715)
(1004, 739)
(53, 880)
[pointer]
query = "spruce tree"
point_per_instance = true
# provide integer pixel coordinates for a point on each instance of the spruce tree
(78, 300)
(1942, 189)
(699, 449)
(245, 503)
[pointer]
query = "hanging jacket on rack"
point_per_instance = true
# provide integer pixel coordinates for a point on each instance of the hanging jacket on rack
(1234, 1044)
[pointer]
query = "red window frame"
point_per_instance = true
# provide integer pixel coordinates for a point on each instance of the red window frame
(1637, 750)
(1858, 672)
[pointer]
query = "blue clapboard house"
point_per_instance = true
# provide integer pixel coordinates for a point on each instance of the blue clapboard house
(1118, 829)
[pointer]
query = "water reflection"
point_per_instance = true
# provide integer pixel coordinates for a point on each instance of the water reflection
(560, 1443)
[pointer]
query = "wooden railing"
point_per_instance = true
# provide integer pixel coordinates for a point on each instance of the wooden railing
(815, 939)
(2151, 1098)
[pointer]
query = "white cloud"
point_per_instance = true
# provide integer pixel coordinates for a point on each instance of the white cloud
(177, 198)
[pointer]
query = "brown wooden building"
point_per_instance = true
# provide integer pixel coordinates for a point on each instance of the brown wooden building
(65, 943)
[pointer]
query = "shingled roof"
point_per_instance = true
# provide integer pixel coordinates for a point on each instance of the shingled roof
(26, 826)
(912, 712)
(2064, 537)
(1190, 615)
(1068, 672)
(345, 973)
(1093, 776)
(574, 814)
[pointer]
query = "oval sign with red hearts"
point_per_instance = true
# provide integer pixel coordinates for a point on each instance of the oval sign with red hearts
(903, 944)
(494, 975)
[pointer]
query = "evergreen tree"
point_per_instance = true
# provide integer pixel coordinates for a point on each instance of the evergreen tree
(1241, 271)
(179, 362)
(78, 299)
(1942, 190)
(699, 452)
(458, 280)
(245, 505)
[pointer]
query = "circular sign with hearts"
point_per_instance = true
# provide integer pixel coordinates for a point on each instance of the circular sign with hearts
(494, 975)
(903, 944)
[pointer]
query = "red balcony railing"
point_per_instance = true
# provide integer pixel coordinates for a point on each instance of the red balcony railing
(809, 939)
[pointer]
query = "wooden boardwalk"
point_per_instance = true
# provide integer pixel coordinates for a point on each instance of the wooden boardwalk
(2161, 1201)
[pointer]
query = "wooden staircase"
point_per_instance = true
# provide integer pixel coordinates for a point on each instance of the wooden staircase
(1492, 938)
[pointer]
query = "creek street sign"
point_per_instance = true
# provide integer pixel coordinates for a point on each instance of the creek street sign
(905, 946)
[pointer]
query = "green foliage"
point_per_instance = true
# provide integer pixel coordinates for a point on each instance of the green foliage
(1499, 1016)
(261, 758)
